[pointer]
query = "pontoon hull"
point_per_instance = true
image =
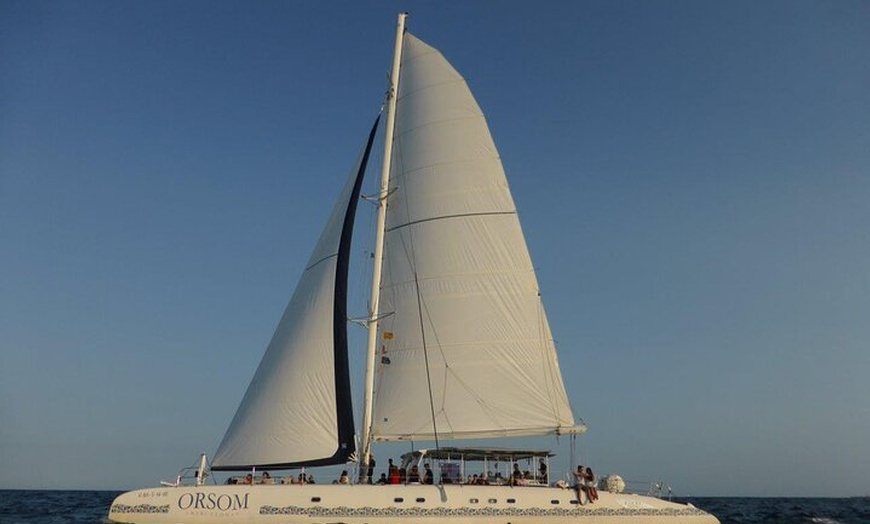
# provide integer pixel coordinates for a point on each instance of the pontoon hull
(362, 504)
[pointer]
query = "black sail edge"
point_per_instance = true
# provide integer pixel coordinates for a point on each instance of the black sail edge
(343, 397)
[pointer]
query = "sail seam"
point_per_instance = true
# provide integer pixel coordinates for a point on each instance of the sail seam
(461, 215)
(477, 116)
(462, 344)
(467, 274)
(431, 86)
(409, 172)
(324, 259)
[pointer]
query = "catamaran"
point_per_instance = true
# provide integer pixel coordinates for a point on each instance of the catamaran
(459, 347)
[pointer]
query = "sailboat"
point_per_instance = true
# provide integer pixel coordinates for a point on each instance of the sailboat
(459, 347)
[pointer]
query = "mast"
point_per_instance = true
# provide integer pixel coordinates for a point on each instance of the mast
(379, 250)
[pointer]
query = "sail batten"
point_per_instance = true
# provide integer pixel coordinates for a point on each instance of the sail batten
(324, 259)
(445, 217)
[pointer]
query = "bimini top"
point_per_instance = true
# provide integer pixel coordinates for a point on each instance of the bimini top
(477, 454)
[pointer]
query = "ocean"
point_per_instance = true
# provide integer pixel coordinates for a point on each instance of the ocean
(91, 507)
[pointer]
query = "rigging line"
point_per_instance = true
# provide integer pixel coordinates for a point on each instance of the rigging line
(407, 246)
(461, 215)
(408, 249)
(547, 347)
(426, 358)
(449, 371)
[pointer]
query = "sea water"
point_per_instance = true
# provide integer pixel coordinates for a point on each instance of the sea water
(91, 507)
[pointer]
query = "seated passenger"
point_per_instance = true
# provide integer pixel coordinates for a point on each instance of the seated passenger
(344, 479)
(517, 475)
(266, 478)
(580, 485)
(591, 485)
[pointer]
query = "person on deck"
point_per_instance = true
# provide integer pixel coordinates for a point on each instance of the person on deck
(428, 476)
(414, 475)
(580, 484)
(371, 471)
(344, 479)
(591, 485)
(516, 476)
(393, 473)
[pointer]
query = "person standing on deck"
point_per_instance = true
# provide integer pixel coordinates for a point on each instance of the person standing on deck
(371, 470)
(393, 473)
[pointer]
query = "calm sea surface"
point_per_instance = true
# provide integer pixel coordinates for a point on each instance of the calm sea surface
(90, 507)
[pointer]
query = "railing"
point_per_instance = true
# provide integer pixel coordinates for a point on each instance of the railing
(655, 488)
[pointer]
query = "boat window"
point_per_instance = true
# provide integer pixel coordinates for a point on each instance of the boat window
(473, 501)
(421, 499)
(511, 501)
(575, 501)
(554, 501)
(398, 499)
(315, 499)
(493, 501)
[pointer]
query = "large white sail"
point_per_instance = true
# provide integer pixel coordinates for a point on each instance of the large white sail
(460, 306)
(297, 409)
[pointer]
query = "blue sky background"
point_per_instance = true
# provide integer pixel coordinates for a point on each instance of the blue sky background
(693, 179)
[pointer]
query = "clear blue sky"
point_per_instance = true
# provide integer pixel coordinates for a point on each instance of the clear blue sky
(693, 179)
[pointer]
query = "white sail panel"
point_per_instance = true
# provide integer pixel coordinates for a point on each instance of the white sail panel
(457, 273)
(289, 414)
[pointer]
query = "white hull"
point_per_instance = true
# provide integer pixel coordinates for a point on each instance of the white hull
(359, 504)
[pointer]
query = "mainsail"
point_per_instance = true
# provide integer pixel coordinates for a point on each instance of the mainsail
(466, 349)
(297, 410)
